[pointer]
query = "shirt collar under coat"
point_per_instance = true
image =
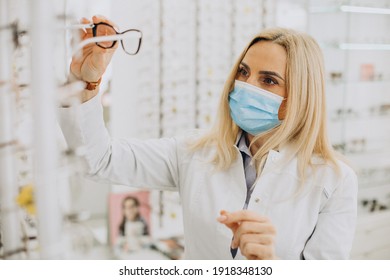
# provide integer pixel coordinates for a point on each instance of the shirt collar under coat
(241, 144)
(243, 147)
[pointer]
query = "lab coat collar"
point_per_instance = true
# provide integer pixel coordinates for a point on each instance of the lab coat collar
(276, 155)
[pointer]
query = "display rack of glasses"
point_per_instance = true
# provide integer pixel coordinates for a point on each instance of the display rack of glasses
(223, 30)
(32, 86)
(188, 50)
(358, 81)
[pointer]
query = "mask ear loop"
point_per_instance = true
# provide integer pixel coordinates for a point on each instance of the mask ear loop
(282, 109)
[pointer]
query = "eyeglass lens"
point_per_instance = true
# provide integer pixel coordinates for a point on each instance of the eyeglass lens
(130, 44)
(105, 30)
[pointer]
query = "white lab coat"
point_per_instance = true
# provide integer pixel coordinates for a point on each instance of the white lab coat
(317, 223)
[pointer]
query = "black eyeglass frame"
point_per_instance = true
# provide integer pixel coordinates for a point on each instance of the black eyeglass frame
(94, 30)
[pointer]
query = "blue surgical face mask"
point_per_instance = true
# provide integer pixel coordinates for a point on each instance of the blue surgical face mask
(253, 109)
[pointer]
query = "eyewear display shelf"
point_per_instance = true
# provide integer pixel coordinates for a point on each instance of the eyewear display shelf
(358, 102)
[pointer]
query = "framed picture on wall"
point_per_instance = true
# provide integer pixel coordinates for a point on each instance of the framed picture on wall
(130, 216)
(129, 221)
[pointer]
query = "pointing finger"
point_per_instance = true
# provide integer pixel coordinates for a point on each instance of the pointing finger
(243, 215)
(223, 219)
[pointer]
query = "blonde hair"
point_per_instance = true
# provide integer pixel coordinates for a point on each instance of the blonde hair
(304, 127)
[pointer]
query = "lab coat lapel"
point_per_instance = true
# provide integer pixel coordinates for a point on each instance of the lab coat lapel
(263, 187)
(235, 198)
(237, 185)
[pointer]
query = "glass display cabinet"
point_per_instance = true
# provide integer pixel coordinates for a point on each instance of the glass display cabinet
(356, 46)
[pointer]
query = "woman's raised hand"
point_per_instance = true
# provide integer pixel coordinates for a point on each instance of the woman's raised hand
(93, 61)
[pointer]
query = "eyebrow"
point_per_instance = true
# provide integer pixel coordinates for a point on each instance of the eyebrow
(271, 73)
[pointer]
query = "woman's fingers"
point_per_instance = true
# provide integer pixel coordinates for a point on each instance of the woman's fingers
(243, 215)
(87, 32)
(256, 251)
(253, 233)
(259, 228)
(223, 219)
(254, 227)
(263, 239)
(234, 219)
(99, 18)
(257, 246)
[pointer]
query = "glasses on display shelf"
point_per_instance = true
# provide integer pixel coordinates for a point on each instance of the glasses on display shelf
(25, 167)
(150, 118)
(143, 75)
(106, 37)
(175, 78)
(17, 33)
(206, 119)
(173, 111)
(222, 26)
(173, 83)
(180, 72)
(211, 53)
(356, 145)
(79, 240)
(177, 52)
(211, 50)
(374, 176)
(178, 30)
(378, 110)
(381, 110)
(173, 121)
(352, 146)
(372, 205)
(148, 112)
(149, 101)
(8, 144)
(215, 57)
(179, 12)
(176, 96)
(336, 76)
(148, 92)
(343, 113)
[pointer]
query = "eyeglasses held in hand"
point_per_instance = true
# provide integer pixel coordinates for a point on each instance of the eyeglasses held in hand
(109, 37)
(131, 46)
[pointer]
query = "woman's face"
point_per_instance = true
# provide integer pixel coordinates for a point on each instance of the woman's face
(130, 209)
(264, 66)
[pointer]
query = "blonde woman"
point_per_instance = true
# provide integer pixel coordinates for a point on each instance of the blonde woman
(264, 183)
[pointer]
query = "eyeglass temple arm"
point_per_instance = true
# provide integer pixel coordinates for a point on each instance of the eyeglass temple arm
(80, 26)
(117, 37)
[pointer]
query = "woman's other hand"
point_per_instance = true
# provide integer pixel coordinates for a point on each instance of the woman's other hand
(252, 233)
